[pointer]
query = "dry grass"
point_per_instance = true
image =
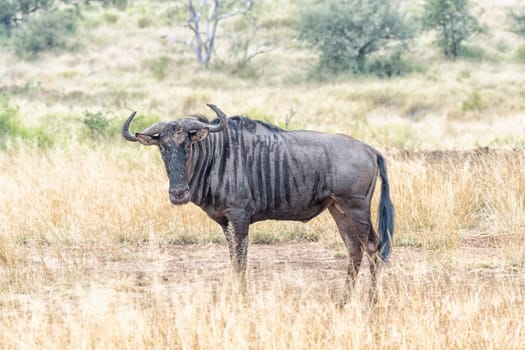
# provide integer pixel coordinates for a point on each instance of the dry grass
(118, 193)
(93, 256)
(460, 192)
(426, 303)
(87, 261)
(442, 314)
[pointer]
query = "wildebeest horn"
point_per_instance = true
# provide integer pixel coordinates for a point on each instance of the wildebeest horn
(125, 129)
(155, 128)
(193, 124)
(222, 117)
(152, 130)
(187, 124)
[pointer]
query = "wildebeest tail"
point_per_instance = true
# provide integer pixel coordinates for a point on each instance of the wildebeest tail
(385, 213)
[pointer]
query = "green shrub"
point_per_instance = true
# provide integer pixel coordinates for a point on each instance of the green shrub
(97, 125)
(476, 53)
(40, 136)
(144, 22)
(159, 67)
(47, 30)
(464, 74)
(453, 22)
(516, 17)
(346, 32)
(7, 14)
(260, 237)
(184, 239)
(12, 10)
(11, 128)
(303, 235)
(473, 101)
(519, 55)
(110, 17)
(387, 66)
(120, 4)
(9, 122)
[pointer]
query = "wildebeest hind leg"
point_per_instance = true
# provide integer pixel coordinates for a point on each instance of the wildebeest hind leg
(348, 233)
(354, 223)
(365, 234)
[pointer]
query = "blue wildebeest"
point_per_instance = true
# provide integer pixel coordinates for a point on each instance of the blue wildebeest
(240, 171)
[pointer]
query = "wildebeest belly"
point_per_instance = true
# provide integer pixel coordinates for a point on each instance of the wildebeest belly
(294, 214)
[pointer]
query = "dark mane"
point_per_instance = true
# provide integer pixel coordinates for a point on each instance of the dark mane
(240, 119)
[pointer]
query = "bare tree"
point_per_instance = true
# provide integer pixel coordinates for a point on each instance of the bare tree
(203, 20)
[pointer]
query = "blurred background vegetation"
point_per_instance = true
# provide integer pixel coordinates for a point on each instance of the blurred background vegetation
(403, 74)
(88, 234)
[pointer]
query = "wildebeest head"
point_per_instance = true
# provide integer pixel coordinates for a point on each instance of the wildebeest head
(174, 140)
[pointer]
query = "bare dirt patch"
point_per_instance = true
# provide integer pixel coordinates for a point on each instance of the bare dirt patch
(184, 266)
(309, 266)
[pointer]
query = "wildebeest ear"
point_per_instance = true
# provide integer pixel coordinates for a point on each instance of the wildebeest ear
(147, 140)
(199, 135)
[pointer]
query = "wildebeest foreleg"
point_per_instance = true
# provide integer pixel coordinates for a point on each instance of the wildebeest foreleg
(238, 223)
(228, 234)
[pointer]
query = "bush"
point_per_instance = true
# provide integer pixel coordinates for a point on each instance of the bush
(474, 53)
(390, 66)
(347, 32)
(454, 23)
(12, 10)
(12, 128)
(144, 22)
(159, 67)
(519, 55)
(473, 102)
(119, 4)
(48, 30)
(302, 236)
(516, 17)
(7, 14)
(261, 237)
(97, 125)
(110, 17)
(9, 123)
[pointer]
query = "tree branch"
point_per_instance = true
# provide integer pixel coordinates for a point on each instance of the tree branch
(248, 6)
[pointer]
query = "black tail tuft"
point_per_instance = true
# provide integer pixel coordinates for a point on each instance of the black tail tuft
(385, 213)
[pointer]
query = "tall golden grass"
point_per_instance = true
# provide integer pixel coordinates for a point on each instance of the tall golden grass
(113, 192)
(93, 255)
(436, 309)
(85, 261)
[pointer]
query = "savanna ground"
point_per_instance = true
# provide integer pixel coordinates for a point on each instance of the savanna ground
(92, 254)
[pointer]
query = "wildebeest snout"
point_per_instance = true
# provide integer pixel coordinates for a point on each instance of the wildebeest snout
(180, 195)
